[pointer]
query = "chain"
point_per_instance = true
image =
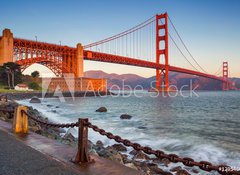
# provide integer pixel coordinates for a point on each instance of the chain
(53, 125)
(204, 165)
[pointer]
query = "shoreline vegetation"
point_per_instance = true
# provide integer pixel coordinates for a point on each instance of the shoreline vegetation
(116, 152)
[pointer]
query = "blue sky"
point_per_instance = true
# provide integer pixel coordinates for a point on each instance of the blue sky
(210, 28)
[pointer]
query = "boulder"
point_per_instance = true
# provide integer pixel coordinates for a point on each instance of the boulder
(99, 144)
(131, 165)
(155, 169)
(36, 129)
(182, 172)
(110, 153)
(140, 155)
(119, 147)
(156, 160)
(125, 159)
(142, 166)
(101, 109)
(165, 161)
(195, 171)
(3, 99)
(174, 169)
(35, 100)
(125, 116)
(133, 152)
(69, 137)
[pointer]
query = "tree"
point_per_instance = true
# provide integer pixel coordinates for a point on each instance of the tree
(35, 74)
(10, 74)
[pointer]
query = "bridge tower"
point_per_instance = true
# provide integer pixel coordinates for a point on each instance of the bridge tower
(225, 85)
(162, 76)
(6, 47)
(79, 61)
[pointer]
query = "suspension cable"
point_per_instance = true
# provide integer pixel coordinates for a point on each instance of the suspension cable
(175, 29)
(133, 29)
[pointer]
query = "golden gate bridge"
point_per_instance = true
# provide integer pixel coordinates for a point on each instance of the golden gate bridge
(145, 45)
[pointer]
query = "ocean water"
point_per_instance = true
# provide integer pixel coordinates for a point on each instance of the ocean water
(204, 127)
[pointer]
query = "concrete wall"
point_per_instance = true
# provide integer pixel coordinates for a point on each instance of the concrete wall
(74, 84)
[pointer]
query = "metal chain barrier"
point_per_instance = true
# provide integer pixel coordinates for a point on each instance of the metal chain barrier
(53, 125)
(83, 123)
(204, 165)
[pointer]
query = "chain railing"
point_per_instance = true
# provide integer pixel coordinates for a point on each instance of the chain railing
(204, 165)
(83, 156)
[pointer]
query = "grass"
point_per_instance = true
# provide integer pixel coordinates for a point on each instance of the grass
(3, 90)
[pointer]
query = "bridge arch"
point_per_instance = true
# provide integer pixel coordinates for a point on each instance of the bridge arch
(57, 68)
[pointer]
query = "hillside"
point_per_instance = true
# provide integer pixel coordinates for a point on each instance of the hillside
(177, 79)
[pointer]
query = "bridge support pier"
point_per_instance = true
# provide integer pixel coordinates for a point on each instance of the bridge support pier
(225, 85)
(6, 47)
(79, 61)
(162, 76)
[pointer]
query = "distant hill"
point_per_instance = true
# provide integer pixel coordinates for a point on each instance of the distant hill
(177, 79)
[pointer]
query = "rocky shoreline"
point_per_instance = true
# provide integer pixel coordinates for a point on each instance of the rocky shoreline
(117, 152)
(28, 95)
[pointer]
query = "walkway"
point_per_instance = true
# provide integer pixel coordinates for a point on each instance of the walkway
(38, 155)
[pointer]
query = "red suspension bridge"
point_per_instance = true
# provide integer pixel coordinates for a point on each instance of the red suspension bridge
(145, 45)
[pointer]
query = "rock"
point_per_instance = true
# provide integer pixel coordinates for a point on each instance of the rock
(99, 144)
(48, 105)
(61, 130)
(36, 129)
(72, 131)
(165, 161)
(155, 169)
(156, 160)
(3, 99)
(140, 155)
(2, 118)
(110, 153)
(54, 111)
(35, 100)
(125, 116)
(133, 152)
(142, 127)
(69, 137)
(101, 109)
(125, 159)
(182, 172)
(57, 107)
(92, 151)
(174, 169)
(142, 166)
(195, 171)
(119, 147)
(131, 165)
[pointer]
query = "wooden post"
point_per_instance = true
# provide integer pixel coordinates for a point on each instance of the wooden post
(20, 122)
(82, 154)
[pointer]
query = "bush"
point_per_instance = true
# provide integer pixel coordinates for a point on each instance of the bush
(34, 86)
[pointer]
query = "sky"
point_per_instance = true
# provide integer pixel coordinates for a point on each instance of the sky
(209, 28)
